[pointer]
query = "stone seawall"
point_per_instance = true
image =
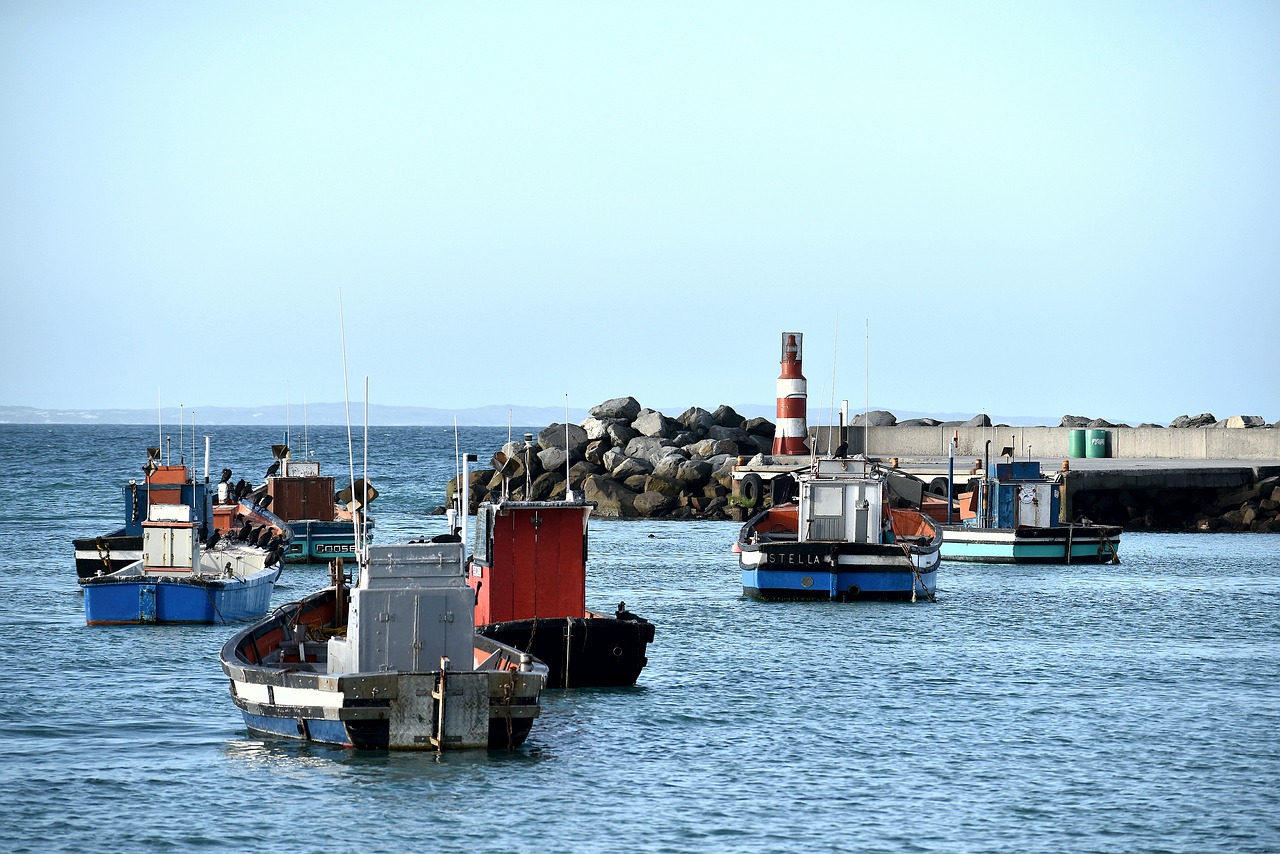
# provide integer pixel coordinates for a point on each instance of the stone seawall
(637, 463)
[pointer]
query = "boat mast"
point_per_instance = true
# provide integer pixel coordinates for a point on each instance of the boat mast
(866, 413)
(351, 454)
(568, 487)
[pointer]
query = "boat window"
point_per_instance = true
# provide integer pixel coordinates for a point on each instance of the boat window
(828, 500)
(480, 543)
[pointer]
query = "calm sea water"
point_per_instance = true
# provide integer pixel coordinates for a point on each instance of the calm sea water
(1131, 708)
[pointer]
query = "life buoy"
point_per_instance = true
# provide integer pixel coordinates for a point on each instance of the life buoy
(750, 489)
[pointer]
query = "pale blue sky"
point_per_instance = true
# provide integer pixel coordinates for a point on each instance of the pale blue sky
(1041, 208)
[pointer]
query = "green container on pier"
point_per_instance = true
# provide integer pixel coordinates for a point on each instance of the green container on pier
(1075, 444)
(1098, 444)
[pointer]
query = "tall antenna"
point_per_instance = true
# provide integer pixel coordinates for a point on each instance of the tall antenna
(351, 454)
(831, 412)
(159, 420)
(568, 488)
(866, 413)
(364, 478)
(457, 468)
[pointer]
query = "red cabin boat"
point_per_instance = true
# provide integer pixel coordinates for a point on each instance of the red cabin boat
(529, 570)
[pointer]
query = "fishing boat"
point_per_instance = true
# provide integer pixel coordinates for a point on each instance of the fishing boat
(528, 569)
(322, 522)
(184, 578)
(161, 484)
(392, 663)
(1017, 514)
(839, 538)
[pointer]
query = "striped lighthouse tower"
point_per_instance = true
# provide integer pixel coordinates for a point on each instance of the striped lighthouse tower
(793, 397)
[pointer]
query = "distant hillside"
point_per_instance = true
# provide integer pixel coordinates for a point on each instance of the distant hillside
(498, 415)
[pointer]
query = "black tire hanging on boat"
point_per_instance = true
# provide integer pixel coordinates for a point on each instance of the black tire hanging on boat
(938, 486)
(750, 489)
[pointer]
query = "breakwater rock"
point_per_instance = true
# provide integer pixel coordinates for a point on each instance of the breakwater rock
(634, 462)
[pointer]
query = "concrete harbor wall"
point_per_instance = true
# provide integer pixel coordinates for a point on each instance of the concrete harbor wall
(1201, 443)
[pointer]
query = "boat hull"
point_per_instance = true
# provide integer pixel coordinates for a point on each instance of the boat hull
(315, 541)
(283, 689)
(585, 652)
(147, 600)
(837, 572)
(106, 554)
(1087, 544)
(397, 717)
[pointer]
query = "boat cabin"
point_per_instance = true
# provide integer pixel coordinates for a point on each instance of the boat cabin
(170, 485)
(529, 560)
(170, 545)
(409, 610)
(837, 505)
(1014, 494)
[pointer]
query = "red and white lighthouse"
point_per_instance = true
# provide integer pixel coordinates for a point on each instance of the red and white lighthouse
(793, 399)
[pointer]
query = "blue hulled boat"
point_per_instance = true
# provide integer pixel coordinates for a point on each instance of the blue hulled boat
(182, 578)
(839, 539)
(1016, 514)
(162, 484)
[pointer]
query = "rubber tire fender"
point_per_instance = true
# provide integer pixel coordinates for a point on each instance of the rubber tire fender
(750, 489)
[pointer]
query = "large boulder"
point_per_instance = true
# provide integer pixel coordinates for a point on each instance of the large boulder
(693, 472)
(722, 470)
(919, 422)
(669, 488)
(652, 504)
(579, 472)
(874, 418)
(647, 448)
(1204, 419)
(624, 408)
(724, 416)
(598, 428)
(1074, 421)
(684, 438)
(979, 420)
(708, 448)
(736, 435)
(668, 467)
(759, 427)
(626, 467)
(544, 485)
(554, 459)
(620, 433)
(651, 423)
(595, 451)
(555, 437)
(1246, 421)
(613, 500)
(697, 420)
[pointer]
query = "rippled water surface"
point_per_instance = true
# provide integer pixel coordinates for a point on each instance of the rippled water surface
(1130, 708)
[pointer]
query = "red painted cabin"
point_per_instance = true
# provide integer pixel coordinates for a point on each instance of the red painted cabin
(530, 560)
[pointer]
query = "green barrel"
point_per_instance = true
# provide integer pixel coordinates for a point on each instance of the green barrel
(1075, 444)
(1098, 444)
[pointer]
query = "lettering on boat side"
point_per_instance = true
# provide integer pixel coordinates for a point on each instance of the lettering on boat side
(794, 559)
